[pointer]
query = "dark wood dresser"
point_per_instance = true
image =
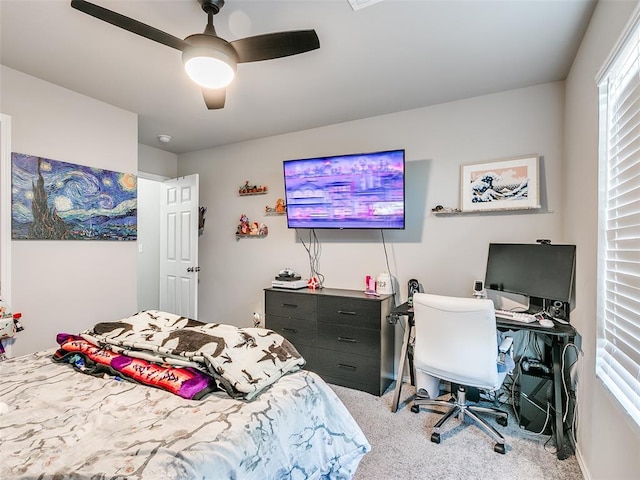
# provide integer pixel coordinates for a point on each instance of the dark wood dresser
(344, 335)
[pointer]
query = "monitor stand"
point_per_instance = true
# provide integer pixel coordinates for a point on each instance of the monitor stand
(536, 305)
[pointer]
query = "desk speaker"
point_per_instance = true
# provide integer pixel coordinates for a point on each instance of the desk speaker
(535, 395)
(559, 310)
(414, 287)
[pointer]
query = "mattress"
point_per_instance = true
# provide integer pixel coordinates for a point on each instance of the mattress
(57, 423)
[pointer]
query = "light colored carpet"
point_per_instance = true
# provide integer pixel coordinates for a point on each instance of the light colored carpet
(401, 446)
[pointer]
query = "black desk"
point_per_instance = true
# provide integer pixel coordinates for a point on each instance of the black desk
(557, 337)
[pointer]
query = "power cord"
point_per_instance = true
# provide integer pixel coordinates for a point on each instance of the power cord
(514, 383)
(564, 380)
(313, 252)
(574, 417)
(386, 256)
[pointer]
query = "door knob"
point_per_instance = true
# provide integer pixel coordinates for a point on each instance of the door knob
(193, 269)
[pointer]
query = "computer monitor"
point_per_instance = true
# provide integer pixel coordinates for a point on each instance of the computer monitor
(543, 272)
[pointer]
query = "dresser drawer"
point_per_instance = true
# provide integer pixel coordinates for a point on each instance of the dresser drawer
(310, 356)
(349, 311)
(348, 366)
(298, 331)
(362, 341)
(292, 305)
(369, 385)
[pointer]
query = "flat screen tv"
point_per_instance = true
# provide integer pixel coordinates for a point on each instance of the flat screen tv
(538, 271)
(359, 191)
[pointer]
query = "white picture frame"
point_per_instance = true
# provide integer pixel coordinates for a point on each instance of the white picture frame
(509, 184)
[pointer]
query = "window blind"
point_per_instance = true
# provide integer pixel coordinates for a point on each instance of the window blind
(618, 345)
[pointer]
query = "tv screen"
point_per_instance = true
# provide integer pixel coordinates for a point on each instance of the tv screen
(363, 190)
(542, 271)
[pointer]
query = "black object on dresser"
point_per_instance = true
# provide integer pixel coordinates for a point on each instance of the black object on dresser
(343, 335)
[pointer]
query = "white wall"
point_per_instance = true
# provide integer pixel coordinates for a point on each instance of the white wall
(608, 445)
(157, 162)
(5, 210)
(445, 254)
(66, 286)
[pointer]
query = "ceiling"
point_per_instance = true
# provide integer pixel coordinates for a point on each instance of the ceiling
(391, 56)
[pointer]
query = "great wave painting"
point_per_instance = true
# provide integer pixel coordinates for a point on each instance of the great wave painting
(54, 200)
(501, 185)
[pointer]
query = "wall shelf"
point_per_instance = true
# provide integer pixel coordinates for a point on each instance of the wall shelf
(249, 189)
(248, 235)
(279, 209)
(248, 194)
(453, 212)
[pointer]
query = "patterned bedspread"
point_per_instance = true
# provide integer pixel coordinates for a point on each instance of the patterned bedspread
(243, 361)
(56, 423)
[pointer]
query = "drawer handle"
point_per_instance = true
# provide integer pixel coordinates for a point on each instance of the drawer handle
(289, 305)
(346, 312)
(345, 339)
(292, 330)
(347, 367)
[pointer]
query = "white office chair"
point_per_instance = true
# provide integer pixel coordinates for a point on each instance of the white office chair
(456, 340)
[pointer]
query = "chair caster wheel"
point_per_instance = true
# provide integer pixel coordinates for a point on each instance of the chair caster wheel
(499, 447)
(502, 421)
(435, 437)
(415, 408)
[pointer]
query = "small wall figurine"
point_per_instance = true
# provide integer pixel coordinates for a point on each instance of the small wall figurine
(248, 189)
(279, 209)
(250, 229)
(243, 227)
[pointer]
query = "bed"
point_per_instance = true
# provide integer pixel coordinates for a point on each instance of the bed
(59, 423)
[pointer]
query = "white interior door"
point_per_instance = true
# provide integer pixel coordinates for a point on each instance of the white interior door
(179, 246)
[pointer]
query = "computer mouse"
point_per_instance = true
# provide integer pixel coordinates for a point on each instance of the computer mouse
(545, 322)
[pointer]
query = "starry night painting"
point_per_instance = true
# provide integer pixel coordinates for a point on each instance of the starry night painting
(54, 200)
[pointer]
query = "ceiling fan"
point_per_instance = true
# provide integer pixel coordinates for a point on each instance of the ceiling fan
(209, 60)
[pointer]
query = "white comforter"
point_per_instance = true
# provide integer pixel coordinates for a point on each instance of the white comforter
(58, 423)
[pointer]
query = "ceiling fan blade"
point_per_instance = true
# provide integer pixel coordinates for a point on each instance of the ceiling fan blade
(275, 45)
(129, 24)
(214, 97)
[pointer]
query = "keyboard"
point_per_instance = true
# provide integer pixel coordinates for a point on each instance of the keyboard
(516, 316)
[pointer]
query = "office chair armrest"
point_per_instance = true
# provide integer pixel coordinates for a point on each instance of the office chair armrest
(505, 345)
(505, 357)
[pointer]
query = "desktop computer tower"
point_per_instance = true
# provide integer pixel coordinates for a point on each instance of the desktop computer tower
(535, 396)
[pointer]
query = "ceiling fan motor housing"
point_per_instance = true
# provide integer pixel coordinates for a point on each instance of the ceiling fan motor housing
(211, 5)
(202, 43)
(214, 52)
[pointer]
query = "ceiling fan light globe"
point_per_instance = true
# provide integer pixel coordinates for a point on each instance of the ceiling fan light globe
(209, 72)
